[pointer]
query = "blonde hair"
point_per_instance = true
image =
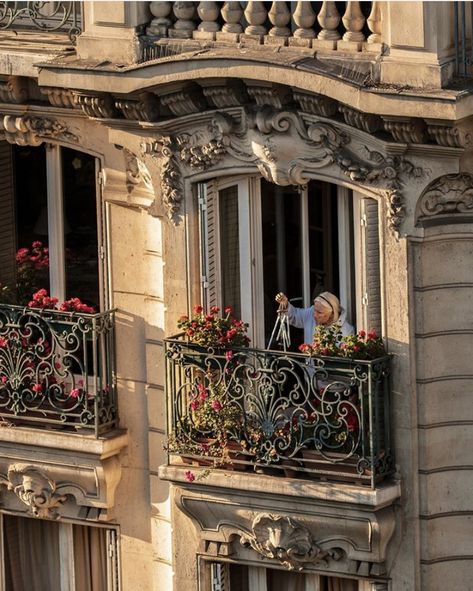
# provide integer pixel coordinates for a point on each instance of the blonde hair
(330, 300)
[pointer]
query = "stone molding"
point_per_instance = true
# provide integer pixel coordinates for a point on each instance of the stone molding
(35, 489)
(365, 121)
(447, 199)
(60, 475)
(408, 131)
(61, 97)
(143, 108)
(318, 533)
(97, 105)
(282, 538)
(286, 147)
(29, 130)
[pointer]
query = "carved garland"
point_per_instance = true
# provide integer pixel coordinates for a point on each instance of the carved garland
(282, 538)
(261, 138)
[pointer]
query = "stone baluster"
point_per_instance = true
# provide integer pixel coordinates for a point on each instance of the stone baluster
(232, 14)
(255, 14)
(304, 17)
(279, 17)
(161, 22)
(353, 20)
(375, 23)
(185, 24)
(329, 19)
(208, 13)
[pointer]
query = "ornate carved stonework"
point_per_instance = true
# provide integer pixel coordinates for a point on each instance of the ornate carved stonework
(276, 96)
(28, 130)
(365, 121)
(282, 538)
(136, 172)
(97, 104)
(408, 131)
(449, 197)
(184, 102)
(448, 135)
(287, 148)
(14, 89)
(316, 104)
(142, 108)
(35, 489)
(60, 97)
(231, 94)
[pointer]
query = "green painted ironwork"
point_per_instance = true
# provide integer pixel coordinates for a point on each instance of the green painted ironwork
(324, 416)
(57, 368)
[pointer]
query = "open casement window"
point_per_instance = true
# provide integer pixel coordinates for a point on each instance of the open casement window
(236, 577)
(48, 194)
(41, 554)
(368, 263)
(258, 239)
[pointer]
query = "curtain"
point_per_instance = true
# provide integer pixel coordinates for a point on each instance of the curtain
(90, 558)
(279, 580)
(31, 554)
(337, 584)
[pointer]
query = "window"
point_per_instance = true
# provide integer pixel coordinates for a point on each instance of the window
(48, 195)
(41, 555)
(258, 238)
(237, 577)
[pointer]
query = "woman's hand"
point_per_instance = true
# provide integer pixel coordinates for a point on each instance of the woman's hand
(282, 300)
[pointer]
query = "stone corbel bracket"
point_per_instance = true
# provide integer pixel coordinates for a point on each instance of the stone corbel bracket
(60, 475)
(29, 130)
(446, 200)
(14, 89)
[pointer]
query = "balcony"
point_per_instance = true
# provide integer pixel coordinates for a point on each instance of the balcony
(279, 413)
(57, 370)
(47, 17)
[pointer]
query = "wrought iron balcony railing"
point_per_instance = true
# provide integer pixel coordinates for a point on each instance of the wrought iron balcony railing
(279, 412)
(57, 369)
(60, 17)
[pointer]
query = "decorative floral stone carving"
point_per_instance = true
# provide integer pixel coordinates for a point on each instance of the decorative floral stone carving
(450, 196)
(282, 538)
(14, 89)
(35, 490)
(28, 130)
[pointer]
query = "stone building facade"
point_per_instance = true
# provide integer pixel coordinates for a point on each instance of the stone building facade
(201, 152)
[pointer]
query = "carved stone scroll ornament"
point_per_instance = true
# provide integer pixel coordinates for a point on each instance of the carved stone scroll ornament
(35, 490)
(282, 538)
(448, 197)
(286, 148)
(28, 130)
(136, 172)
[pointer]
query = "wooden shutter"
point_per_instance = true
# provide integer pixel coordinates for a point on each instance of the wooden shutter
(209, 244)
(7, 217)
(370, 279)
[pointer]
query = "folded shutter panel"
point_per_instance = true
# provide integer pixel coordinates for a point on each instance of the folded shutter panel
(7, 217)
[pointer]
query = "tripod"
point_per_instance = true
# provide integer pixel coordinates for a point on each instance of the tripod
(281, 333)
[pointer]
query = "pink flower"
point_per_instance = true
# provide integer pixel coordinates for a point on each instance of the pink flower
(190, 477)
(75, 393)
(37, 388)
(217, 405)
(362, 334)
(195, 404)
(228, 310)
(37, 244)
(229, 355)
(214, 310)
(3, 342)
(198, 309)
(4, 379)
(204, 394)
(372, 334)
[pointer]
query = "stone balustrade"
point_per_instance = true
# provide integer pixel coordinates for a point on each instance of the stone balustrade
(317, 25)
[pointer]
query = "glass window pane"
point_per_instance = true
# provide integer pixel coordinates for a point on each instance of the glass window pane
(230, 249)
(80, 226)
(31, 546)
(31, 209)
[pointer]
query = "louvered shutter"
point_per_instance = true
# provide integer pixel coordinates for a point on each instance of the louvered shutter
(220, 577)
(209, 244)
(7, 217)
(370, 262)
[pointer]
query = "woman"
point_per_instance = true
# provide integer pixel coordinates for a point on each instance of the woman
(325, 311)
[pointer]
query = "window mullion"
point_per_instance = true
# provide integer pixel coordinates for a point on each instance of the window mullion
(57, 270)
